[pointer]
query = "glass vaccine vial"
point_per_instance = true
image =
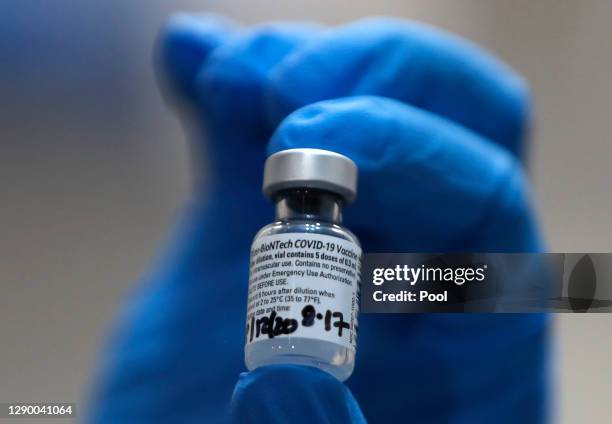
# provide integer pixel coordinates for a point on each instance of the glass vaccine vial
(305, 266)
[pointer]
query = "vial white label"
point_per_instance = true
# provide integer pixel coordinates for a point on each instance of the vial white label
(304, 285)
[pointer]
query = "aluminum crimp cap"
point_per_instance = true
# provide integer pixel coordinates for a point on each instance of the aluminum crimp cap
(310, 168)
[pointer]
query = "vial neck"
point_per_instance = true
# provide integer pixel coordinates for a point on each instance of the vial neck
(309, 204)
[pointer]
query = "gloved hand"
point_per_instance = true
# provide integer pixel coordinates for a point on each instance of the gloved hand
(435, 126)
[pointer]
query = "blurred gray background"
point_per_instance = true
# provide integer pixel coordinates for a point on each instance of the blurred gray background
(94, 167)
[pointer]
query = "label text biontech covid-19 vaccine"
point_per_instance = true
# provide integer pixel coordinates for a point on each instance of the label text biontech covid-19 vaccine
(304, 285)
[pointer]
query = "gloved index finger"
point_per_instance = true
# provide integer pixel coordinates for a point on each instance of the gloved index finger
(414, 63)
(425, 183)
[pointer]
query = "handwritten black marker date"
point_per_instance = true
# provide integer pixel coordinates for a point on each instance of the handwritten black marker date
(275, 325)
(309, 315)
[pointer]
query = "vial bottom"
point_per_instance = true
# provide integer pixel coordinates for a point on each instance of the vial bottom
(333, 358)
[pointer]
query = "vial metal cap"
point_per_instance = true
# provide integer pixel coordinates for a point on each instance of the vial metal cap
(310, 168)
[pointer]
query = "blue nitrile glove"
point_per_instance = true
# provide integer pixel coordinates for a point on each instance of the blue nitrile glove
(435, 125)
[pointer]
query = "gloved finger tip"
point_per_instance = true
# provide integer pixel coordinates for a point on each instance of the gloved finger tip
(183, 44)
(291, 387)
(200, 23)
(351, 126)
(282, 375)
(283, 371)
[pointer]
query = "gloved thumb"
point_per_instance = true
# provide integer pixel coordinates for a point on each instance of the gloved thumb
(293, 394)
